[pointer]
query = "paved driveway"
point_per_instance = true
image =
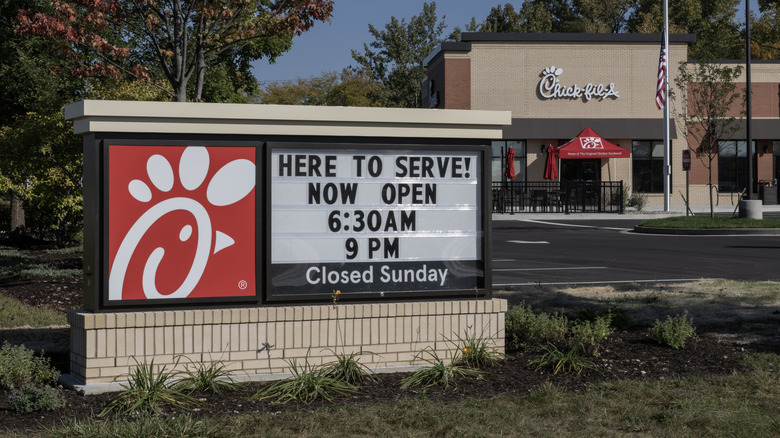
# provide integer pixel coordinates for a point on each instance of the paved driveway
(555, 251)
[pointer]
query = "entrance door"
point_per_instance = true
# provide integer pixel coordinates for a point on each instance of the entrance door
(581, 170)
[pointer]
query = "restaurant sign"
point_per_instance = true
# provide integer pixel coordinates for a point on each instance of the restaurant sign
(551, 88)
(375, 221)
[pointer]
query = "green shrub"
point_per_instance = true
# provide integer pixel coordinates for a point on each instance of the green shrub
(564, 361)
(587, 336)
(637, 200)
(20, 365)
(438, 373)
(476, 352)
(307, 384)
(347, 368)
(147, 391)
(674, 331)
(30, 398)
(212, 377)
(523, 325)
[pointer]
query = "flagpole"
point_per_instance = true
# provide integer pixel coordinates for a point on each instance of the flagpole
(667, 146)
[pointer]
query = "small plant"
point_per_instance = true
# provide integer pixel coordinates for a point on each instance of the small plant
(638, 200)
(20, 365)
(674, 331)
(438, 373)
(31, 398)
(147, 391)
(587, 336)
(212, 377)
(566, 361)
(523, 325)
(476, 352)
(347, 368)
(307, 384)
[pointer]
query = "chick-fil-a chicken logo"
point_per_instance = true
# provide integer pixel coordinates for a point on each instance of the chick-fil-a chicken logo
(181, 222)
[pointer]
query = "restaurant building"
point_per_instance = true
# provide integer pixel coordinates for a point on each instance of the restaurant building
(559, 85)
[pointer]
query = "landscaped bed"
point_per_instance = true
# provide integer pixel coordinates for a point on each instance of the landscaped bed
(725, 380)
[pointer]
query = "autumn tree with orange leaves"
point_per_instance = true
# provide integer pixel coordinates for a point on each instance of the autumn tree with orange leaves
(169, 42)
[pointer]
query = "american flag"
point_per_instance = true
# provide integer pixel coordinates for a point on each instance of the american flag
(660, 91)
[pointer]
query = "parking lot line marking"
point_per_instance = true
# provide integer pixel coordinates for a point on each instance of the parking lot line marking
(577, 226)
(528, 241)
(591, 283)
(551, 269)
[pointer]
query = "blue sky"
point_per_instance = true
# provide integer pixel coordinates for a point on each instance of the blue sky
(327, 47)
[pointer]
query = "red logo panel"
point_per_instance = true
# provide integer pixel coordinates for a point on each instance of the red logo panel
(181, 222)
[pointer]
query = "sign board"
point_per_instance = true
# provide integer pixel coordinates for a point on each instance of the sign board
(375, 221)
(180, 223)
(686, 160)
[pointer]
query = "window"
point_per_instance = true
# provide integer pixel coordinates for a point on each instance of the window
(732, 165)
(647, 166)
(500, 149)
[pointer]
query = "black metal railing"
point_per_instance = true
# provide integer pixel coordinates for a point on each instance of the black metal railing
(558, 196)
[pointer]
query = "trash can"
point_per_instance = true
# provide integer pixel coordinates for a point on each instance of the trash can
(768, 194)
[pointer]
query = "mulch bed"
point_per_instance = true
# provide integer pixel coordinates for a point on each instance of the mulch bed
(626, 355)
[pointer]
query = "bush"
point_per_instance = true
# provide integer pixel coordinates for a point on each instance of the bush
(439, 373)
(523, 325)
(347, 368)
(587, 336)
(564, 361)
(307, 384)
(476, 351)
(211, 377)
(146, 391)
(20, 365)
(30, 398)
(674, 331)
(637, 200)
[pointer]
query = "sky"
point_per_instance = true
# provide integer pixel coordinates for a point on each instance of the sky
(328, 47)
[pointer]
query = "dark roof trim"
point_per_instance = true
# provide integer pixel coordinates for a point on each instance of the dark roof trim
(760, 129)
(447, 46)
(610, 129)
(578, 37)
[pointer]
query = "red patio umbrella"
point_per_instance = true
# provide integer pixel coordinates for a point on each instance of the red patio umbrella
(510, 164)
(551, 167)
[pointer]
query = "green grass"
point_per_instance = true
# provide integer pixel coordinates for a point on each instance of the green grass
(20, 263)
(13, 314)
(718, 222)
(743, 404)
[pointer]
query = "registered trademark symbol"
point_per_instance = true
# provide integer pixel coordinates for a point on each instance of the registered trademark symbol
(242, 284)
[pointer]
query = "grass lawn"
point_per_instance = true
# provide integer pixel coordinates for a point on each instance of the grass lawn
(695, 222)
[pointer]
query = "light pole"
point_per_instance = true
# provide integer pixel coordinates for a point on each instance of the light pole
(749, 138)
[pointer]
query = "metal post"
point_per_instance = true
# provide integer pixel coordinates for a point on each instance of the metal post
(748, 102)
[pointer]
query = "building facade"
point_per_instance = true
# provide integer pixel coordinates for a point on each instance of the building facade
(557, 85)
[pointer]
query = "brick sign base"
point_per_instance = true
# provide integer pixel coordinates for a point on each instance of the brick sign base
(259, 343)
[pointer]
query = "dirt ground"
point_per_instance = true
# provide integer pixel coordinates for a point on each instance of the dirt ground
(628, 354)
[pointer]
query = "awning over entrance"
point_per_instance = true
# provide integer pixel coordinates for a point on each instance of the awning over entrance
(589, 145)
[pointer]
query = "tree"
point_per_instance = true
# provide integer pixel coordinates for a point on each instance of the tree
(348, 88)
(708, 100)
(765, 32)
(713, 22)
(170, 41)
(395, 57)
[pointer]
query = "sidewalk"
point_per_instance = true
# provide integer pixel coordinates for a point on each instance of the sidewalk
(649, 212)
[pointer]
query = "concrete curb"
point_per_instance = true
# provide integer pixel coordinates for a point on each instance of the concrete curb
(708, 232)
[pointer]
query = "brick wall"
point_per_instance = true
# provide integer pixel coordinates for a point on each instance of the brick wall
(105, 347)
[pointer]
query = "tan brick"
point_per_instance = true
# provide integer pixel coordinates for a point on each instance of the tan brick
(262, 314)
(197, 338)
(199, 317)
(137, 347)
(158, 340)
(170, 345)
(100, 339)
(159, 319)
(235, 316)
(242, 355)
(254, 315)
(100, 320)
(91, 344)
(234, 336)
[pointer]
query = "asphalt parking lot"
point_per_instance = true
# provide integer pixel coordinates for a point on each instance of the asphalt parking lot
(558, 250)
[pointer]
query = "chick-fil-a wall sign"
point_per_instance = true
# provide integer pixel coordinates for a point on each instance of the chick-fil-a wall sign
(181, 222)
